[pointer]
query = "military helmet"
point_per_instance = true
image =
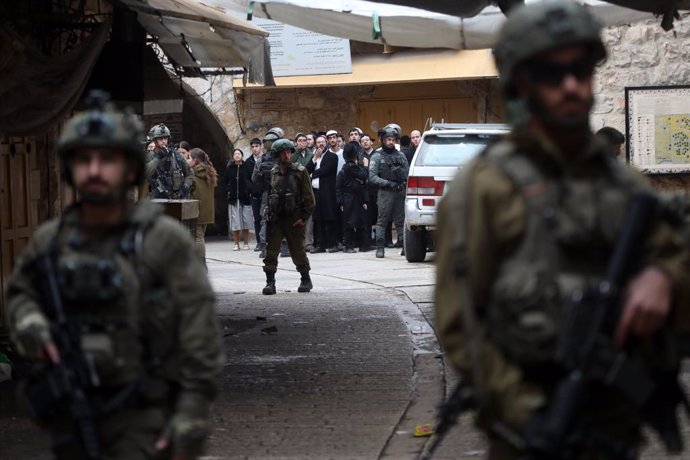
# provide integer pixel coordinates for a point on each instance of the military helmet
(103, 126)
(158, 131)
(389, 131)
(545, 26)
(277, 131)
(282, 144)
(395, 127)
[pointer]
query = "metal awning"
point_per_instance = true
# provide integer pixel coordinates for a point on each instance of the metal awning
(199, 39)
(403, 26)
(403, 67)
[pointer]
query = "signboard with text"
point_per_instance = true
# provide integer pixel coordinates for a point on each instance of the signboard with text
(296, 51)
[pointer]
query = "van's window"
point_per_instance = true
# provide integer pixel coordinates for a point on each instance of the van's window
(451, 149)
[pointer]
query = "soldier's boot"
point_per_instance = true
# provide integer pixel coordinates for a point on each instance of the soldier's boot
(270, 287)
(380, 248)
(305, 283)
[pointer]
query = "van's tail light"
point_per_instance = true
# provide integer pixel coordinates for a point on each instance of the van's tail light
(424, 186)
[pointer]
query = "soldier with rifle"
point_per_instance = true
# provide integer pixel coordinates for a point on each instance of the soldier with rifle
(114, 304)
(559, 280)
(170, 176)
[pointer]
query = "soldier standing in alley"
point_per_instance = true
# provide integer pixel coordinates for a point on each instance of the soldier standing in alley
(113, 301)
(290, 204)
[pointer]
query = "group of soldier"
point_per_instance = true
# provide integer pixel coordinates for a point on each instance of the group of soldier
(561, 289)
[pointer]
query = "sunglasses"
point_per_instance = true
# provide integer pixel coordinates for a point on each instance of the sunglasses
(553, 73)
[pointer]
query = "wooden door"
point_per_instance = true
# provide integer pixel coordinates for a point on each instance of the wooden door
(413, 114)
(16, 221)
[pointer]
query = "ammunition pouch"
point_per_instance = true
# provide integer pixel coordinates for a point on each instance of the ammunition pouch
(89, 279)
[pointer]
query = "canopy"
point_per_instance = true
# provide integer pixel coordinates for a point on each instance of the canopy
(403, 26)
(199, 39)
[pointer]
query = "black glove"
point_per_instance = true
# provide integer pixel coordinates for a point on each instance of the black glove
(160, 153)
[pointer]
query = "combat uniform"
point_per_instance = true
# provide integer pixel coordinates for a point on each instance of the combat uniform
(290, 198)
(139, 296)
(169, 174)
(521, 229)
(388, 171)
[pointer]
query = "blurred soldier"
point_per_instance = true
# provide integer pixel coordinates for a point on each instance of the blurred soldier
(114, 302)
(290, 204)
(169, 174)
(525, 231)
(388, 171)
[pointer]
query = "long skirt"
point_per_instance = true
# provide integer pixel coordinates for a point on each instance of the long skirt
(241, 216)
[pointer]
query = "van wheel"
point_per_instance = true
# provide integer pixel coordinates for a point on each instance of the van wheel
(415, 245)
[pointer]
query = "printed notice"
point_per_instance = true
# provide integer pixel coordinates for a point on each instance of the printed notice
(659, 129)
(296, 51)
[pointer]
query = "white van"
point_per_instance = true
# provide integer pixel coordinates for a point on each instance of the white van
(444, 149)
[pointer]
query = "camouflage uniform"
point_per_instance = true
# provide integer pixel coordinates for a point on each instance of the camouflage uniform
(521, 231)
(169, 174)
(282, 215)
(133, 304)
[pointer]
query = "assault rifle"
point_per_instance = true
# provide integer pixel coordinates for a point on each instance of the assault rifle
(63, 385)
(588, 355)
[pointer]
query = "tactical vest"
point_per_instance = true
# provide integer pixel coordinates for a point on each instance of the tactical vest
(103, 289)
(392, 167)
(284, 198)
(265, 168)
(170, 174)
(571, 226)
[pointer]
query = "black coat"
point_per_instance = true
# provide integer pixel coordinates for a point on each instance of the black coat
(237, 182)
(326, 205)
(351, 192)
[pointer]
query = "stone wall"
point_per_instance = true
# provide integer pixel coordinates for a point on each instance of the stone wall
(642, 55)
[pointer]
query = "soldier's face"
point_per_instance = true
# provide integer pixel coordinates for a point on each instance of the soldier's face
(558, 88)
(161, 142)
(100, 175)
(285, 157)
(388, 141)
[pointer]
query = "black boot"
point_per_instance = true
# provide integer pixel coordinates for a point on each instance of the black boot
(380, 248)
(270, 287)
(305, 283)
(262, 254)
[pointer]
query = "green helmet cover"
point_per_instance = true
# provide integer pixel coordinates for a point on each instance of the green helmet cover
(538, 28)
(282, 144)
(158, 131)
(103, 126)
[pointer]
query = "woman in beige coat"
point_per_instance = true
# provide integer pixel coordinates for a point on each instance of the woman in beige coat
(205, 180)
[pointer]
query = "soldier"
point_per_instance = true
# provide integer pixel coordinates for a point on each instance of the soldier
(261, 178)
(114, 302)
(388, 170)
(168, 172)
(290, 204)
(523, 231)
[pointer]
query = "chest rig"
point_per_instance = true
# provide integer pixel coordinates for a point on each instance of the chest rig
(283, 197)
(392, 167)
(101, 291)
(572, 220)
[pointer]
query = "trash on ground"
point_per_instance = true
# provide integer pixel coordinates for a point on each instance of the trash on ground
(425, 429)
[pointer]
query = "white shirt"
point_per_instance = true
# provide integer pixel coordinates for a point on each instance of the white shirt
(315, 182)
(341, 160)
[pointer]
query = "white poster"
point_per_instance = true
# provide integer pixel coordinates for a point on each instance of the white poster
(296, 51)
(659, 128)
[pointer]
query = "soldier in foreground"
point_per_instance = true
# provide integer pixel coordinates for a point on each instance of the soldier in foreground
(558, 282)
(114, 303)
(290, 204)
(169, 174)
